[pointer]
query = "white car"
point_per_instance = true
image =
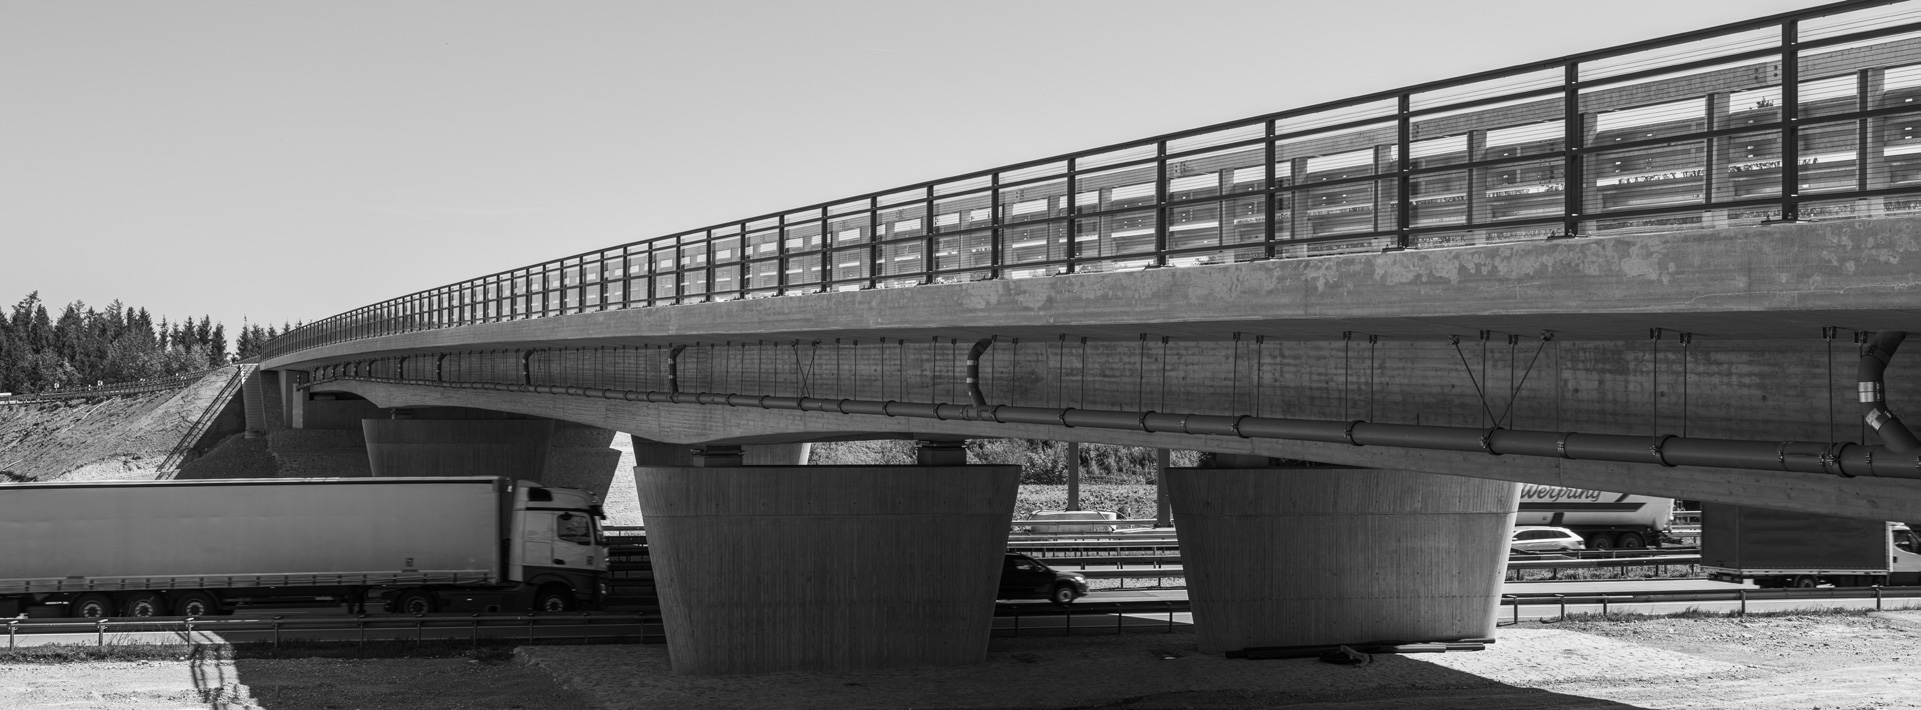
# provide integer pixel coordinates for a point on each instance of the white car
(1540, 538)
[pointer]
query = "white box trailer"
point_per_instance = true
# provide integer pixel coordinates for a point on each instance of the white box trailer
(191, 548)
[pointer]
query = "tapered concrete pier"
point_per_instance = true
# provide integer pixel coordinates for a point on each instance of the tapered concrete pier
(1311, 556)
(778, 568)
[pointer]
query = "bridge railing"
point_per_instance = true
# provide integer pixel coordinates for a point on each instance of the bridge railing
(1814, 114)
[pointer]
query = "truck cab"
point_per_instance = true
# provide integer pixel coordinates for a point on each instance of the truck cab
(556, 549)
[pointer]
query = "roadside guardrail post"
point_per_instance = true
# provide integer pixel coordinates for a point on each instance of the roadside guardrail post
(1118, 617)
(1017, 619)
(1515, 602)
(1744, 601)
(276, 632)
(100, 630)
(1070, 619)
(1170, 616)
(1604, 606)
(1877, 597)
(13, 629)
(476, 629)
(360, 621)
(420, 628)
(585, 621)
(530, 626)
(1563, 599)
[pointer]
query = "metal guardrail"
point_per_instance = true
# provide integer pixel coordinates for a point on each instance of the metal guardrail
(1743, 596)
(1783, 118)
(420, 624)
(113, 389)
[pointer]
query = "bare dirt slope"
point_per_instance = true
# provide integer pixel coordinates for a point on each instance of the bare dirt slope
(110, 438)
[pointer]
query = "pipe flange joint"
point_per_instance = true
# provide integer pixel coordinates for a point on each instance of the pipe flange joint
(1831, 461)
(1184, 424)
(1487, 441)
(884, 407)
(1143, 422)
(1062, 417)
(1660, 456)
(1236, 426)
(1560, 445)
(1348, 433)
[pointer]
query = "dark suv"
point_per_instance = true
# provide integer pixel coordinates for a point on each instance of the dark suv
(1024, 577)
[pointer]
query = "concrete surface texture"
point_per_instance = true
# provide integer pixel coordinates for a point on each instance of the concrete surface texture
(1317, 556)
(515, 448)
(780, 568)
(1754, 367)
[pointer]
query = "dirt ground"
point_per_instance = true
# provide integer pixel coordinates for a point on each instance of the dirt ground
(1776, 663)
(274, 684)
(105, 439)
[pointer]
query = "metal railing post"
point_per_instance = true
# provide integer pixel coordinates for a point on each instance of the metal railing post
(360, 621)
(13, 629)
(585, 622)
(100, 630)
(1877, 597)
(1744, 601)
(276, 632)
(476, 638)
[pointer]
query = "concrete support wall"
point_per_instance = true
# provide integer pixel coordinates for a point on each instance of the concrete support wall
(648, 452)
(1314, 556)
(516, 448)
(780, 568)
(581, 456)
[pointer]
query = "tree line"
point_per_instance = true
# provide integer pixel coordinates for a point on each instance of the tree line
(84, 346)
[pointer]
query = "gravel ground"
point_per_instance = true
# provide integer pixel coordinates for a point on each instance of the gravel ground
(1777, 663)
(276, 684)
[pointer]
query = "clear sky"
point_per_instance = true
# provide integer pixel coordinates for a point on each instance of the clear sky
(286, 161)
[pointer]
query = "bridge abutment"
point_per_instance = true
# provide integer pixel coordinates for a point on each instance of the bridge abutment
(777, 568)
(1321, 556)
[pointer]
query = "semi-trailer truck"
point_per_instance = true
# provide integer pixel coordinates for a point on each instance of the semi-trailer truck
(1776, 548)
(198, 548)
(1605, 520)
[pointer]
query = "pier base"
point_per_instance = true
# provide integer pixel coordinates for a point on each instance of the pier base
(781, 568)
(1321, 556)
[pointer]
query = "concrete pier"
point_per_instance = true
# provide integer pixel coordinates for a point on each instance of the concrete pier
(780, 568)
(1312, 556)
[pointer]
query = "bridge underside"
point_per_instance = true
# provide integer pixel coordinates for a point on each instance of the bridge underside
(1744, 335)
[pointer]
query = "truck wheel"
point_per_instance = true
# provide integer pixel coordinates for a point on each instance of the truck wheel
(554, 599)
(1633, 541)
(1806, 581)
(196, 604)
(1062, 595)
(91, 606)
(143, 604)
(415, 602)
(1600, 541)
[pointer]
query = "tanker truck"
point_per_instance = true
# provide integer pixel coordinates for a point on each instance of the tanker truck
(1605, 520)
(204, 547)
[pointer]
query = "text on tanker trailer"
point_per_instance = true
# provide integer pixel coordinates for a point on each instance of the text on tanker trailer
(1606, 520)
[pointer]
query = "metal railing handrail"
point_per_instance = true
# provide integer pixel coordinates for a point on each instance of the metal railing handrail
(713, 263)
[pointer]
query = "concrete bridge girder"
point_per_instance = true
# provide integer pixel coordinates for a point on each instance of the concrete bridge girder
(1886, 499)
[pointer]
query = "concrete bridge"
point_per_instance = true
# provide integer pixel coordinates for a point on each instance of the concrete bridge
(1650, 269)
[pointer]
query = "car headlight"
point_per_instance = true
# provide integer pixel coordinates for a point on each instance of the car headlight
(1080, 578)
